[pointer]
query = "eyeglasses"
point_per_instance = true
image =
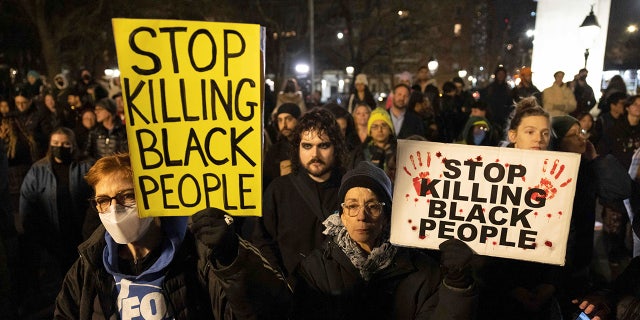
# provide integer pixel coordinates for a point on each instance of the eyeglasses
(126, 198)
(582, 133)
(373, 209)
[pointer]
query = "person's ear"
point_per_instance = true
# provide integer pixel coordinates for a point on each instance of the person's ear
(512, 136)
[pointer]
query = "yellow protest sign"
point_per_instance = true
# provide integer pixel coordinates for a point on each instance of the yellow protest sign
(193, 96)
(502, 202)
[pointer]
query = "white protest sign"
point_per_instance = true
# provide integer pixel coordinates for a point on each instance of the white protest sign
(502, 202)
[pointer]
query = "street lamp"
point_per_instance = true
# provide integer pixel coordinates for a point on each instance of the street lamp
(589, 30)
(302, 68)
(349, 70)
(432, 65)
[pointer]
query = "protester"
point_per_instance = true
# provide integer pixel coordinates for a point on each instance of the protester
(158, 268)
(598, 177)
(585, 98)
(606, 119)
(514, 289)
(53, 206)
(381, 145)
(478, 131)
(405, 122)
(497, 95)
(290, 94)
(295, 205)
(423, 108)
(277, 160)
(359, 274)
(109, 136)
(525, 88)
(558, 99)
(361, 115)
(346, 124)
(361, 94)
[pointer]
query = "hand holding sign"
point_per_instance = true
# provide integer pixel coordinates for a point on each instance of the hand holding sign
(456, 258)
(213, 228)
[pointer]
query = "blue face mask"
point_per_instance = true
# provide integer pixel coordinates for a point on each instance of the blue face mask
(478, 137)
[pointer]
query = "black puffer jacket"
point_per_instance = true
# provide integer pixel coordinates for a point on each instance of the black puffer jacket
(102, 142)
(330, 287)
(194, 289)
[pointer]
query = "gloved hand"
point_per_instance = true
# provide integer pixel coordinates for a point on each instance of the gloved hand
(213, 227)
(456, 259)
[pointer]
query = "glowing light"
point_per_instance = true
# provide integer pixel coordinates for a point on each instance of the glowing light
(349, 70)
(340, 35)
(302, 68)
(632, 28)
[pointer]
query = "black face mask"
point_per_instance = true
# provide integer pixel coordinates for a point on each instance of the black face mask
(62, 153)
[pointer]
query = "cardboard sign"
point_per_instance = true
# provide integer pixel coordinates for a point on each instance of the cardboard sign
(193, 96)
(502, 202)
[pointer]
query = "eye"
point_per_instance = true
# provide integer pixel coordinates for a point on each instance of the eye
(352, 206)
(103, 201)
(306, 146)
(127, 198)
(325, 145)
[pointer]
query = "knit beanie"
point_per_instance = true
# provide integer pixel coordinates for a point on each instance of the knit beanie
(379, 114)
(107, 104)
(367, 175)
(362, 78)
(290, 108)
(562, 124)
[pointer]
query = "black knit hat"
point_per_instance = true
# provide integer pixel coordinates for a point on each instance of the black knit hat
(290, 108)
(562, 124)
(367, 175)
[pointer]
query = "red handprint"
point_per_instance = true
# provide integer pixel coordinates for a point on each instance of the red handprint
(550, 179)
(420, 169)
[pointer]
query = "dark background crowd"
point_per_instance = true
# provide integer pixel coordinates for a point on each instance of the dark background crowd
(53, 130)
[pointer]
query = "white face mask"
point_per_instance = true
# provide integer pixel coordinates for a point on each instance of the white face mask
(123, 223)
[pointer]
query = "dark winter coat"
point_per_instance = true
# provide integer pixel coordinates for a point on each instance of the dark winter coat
(621, 140)
(102, 142)
(412, 124)
(193, 287)
(331, 287)
(294, 207)
(38, 195)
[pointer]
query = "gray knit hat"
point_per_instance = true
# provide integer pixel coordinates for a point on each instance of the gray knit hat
(367, 175)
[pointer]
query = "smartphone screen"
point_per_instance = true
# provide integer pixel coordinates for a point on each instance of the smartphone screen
(583, 316)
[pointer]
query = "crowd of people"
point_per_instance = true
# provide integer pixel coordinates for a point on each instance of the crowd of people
(321, 247)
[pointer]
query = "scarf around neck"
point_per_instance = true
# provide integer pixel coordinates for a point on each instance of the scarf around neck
(367, 264)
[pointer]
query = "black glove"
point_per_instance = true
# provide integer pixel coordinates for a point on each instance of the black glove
(213, 227)
(456, 259)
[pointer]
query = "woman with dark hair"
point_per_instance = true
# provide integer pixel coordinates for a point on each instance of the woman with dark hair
(346, 124)
(360, 93)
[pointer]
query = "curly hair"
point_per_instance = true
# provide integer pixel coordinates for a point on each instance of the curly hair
(323, 122)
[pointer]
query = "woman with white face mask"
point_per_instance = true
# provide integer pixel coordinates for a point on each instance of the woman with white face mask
(157, 268)
(52, 212)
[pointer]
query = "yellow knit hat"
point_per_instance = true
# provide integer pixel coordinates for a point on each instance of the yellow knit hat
(379, 114)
